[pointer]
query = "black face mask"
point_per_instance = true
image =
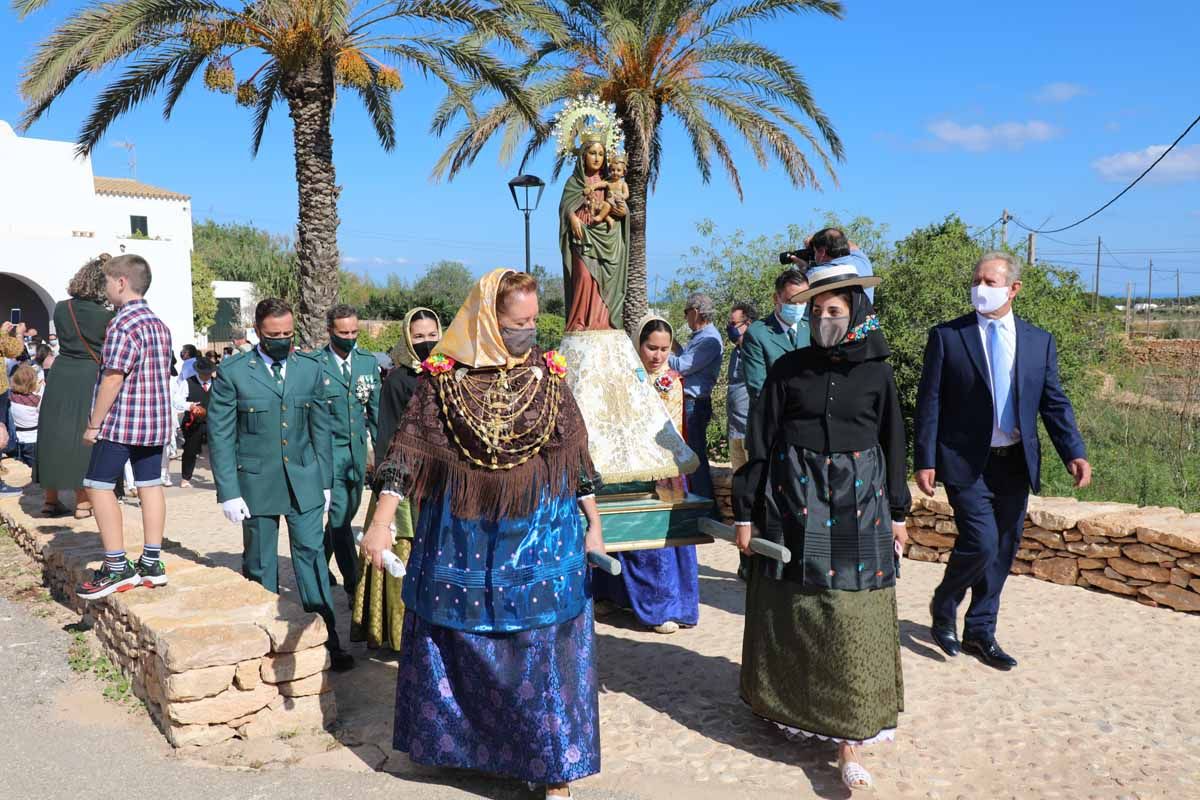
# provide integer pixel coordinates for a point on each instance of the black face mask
(518, 341)
(423, 349)
(277, 349)
(343, 345)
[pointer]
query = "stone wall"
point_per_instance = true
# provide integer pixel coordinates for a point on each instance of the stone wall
(1150, 554)
(212, 655)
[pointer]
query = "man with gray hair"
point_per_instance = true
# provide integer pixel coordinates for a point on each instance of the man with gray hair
(700, 366)
(987, 378)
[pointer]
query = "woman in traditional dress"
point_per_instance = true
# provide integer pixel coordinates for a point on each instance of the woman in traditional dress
(595, 253)
(826, 476)
(496, 670)
(378, 614)
(662, 586)
(62, 456)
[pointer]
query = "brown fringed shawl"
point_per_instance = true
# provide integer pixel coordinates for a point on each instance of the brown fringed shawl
(427, 455)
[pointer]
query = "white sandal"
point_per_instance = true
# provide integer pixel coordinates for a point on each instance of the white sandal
(670, 626)
(855, 776)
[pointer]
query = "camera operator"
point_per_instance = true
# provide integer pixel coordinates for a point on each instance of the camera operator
(830, 246)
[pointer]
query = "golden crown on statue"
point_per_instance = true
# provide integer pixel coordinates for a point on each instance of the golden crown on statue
(585, 120)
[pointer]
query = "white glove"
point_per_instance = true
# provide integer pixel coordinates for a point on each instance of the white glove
(235, 510)
(328, 496)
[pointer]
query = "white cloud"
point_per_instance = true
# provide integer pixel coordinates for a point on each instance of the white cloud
(1059, 92)
(1182, 165)
(978, 138)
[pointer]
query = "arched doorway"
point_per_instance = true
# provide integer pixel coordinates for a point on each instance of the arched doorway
(34, 302)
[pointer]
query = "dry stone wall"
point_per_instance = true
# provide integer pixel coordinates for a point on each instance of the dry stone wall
(212, 655)
(1149, 554)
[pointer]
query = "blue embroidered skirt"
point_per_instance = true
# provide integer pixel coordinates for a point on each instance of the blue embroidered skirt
(659, 585)
(522, 705)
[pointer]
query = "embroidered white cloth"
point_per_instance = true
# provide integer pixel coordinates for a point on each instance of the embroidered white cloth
(630, 436)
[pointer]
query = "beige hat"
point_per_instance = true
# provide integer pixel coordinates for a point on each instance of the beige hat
(832, 276)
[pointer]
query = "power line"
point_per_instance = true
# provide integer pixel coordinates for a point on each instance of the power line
(1117, 197)
(1163, 270)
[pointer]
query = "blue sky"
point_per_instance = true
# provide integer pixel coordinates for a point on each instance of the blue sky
(1044, 108)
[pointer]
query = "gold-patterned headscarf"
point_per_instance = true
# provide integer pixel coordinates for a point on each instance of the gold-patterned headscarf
(473, 338)
(406, 345)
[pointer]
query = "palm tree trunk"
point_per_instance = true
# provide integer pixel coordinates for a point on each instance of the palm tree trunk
(310, 91)
(638, 178)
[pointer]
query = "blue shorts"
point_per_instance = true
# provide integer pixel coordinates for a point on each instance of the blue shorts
(108, 462)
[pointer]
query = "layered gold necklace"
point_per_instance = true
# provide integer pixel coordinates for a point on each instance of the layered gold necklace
(492, 406)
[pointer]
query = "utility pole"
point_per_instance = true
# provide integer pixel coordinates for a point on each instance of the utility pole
(1004, 228)
(1178, 295)
(1032, 248)
(1128, 310)
(1149, 294)
(1096, 287)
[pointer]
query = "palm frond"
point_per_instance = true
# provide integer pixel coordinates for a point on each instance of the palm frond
(758, 10)
(139, 81)
(97, 36)
(378, 101)
(268, 93)
(180, 78)
(750, 54)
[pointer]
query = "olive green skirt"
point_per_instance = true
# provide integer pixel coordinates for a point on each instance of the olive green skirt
(823, 663)
(378, 614)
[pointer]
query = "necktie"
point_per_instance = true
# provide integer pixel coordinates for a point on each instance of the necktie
(1002, 396)
(277, 370)
(792, 336)
(346, 372)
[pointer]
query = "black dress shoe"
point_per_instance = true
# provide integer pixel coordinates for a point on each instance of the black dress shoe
(946, 638)
(341, 661)
(987, 651)
(944, 634)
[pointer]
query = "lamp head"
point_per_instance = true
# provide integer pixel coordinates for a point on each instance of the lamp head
(526, 184)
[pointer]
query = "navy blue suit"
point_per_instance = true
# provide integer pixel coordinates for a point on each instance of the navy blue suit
(988, 488)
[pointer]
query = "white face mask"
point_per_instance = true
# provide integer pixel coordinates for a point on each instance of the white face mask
(987, 299)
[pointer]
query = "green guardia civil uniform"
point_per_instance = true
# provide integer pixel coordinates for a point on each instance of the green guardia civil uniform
(270, 444)
(764, 343)
(351, 396)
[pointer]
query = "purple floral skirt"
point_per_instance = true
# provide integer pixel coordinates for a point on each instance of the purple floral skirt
(522, 705)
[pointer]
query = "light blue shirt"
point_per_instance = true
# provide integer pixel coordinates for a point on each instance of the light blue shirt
(700, 362)
(861, 263)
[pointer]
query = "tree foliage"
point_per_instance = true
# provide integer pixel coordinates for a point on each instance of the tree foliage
(204, 302)
(240, 252)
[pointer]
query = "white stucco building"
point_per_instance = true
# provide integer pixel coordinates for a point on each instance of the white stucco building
(55, 215)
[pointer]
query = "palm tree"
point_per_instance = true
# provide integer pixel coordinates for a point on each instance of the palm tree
(295, 52)
(655, 59)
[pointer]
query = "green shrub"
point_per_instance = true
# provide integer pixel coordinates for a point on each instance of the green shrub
(550, 329)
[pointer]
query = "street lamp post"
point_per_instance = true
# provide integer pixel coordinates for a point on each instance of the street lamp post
(526, 204)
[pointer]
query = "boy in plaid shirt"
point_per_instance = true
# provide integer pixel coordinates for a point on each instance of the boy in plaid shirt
(131, 421)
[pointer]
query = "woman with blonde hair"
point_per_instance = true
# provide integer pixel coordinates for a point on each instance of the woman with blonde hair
(80, 322)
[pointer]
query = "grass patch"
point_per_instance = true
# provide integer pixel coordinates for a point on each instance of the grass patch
(81, 659)
(1147, 456)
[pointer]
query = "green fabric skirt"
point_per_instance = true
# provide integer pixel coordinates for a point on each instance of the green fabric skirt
(378, 614)
(824, 663)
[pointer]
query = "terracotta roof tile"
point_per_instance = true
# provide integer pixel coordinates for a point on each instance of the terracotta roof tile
(129, 187)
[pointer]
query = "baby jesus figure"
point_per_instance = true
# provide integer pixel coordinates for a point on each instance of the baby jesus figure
(616, 190)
